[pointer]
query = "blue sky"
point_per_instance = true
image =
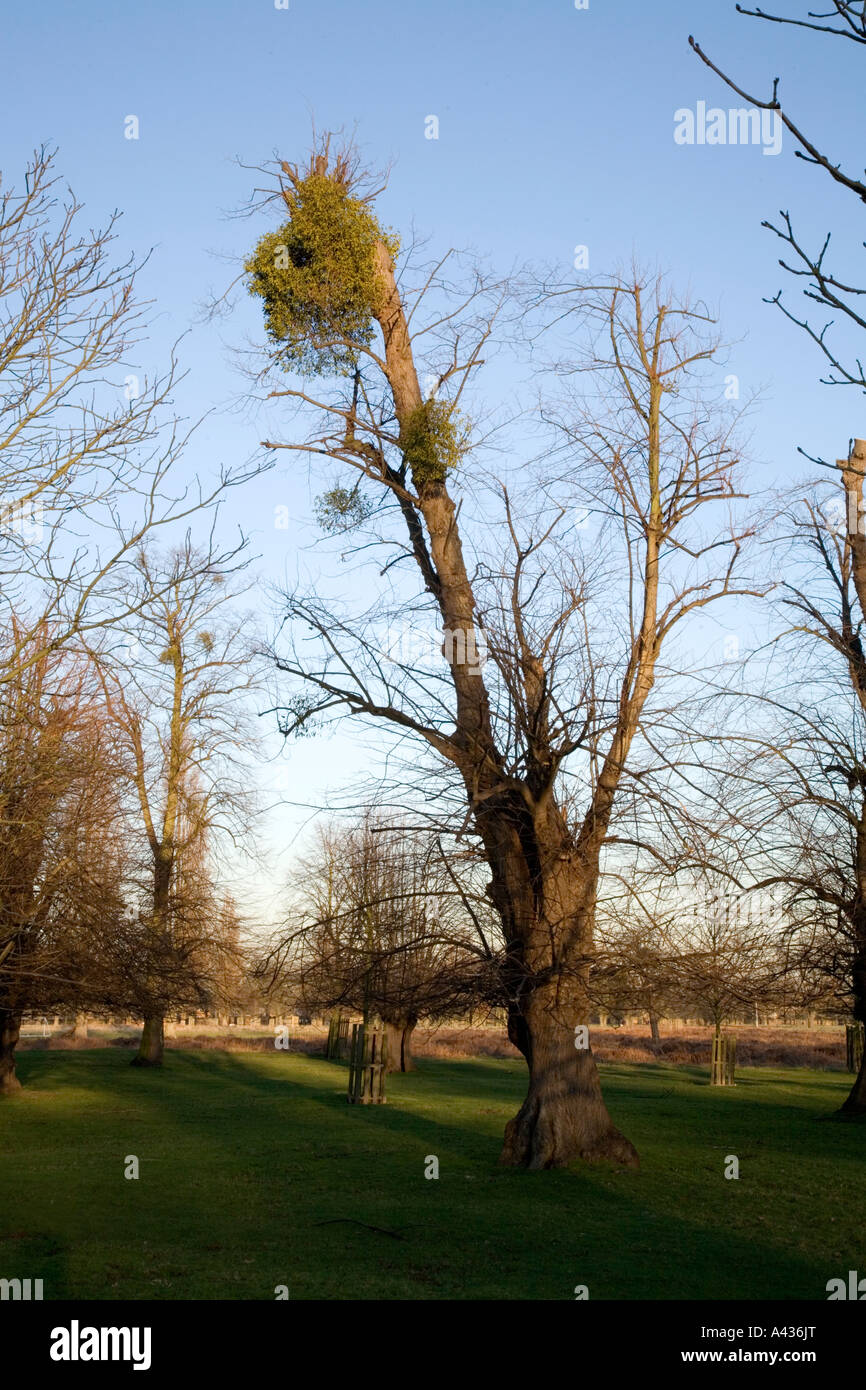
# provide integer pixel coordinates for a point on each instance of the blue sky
(555, 129)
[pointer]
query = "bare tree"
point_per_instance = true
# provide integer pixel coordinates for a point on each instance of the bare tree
(88, 440)
(382, 926)
(523, 690)
(831, 603)
(176, 703)
(63, 860)
(802, 770)
(724, 959)
(633, 968)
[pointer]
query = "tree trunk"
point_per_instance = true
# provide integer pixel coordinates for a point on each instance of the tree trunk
(79, 1027)
(564, 1117)
(152, 1043)
(654, 1026)
(10, 1029)
(398, 1035)
(856, 1101)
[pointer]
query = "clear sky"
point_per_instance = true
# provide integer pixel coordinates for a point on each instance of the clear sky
(555, 129)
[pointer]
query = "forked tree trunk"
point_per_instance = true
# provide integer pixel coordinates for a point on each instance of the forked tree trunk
(10, 1029)
(398, 1036)
(152, 1043)
(79, 1027)
(564, 1117)
(654, 1026)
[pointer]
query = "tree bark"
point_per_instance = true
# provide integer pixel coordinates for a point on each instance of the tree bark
(544, 884)
(855, 1104)
(564, 1117)
(10, 1029)
(654, 1026)
(152, 1043)
(398, 1035)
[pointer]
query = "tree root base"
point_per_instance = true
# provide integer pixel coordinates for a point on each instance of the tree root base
(535, 1152)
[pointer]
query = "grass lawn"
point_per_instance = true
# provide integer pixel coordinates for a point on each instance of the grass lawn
(255, 1172)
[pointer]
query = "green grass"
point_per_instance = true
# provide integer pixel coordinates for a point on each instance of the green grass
(246, 1161)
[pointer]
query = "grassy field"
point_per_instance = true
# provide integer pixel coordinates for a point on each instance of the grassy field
(254, 1172)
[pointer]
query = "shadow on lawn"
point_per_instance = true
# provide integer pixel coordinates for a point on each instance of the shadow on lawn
(514, 1234)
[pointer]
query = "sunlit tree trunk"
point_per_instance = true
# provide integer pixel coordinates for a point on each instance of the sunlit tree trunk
(398, 1034)
(151, 1047)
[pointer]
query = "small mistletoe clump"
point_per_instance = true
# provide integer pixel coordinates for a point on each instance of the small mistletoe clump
(317, 278)
(433, 440)
(341, 509)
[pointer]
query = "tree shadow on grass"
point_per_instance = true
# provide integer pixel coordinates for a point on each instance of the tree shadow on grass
(341, 1182)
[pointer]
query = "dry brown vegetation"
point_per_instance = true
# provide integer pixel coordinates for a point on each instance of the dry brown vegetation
(820, 1048)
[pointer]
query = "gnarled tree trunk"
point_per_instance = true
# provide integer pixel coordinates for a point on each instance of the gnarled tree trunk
(549, 919)
(10, 1030)
(564, 1117)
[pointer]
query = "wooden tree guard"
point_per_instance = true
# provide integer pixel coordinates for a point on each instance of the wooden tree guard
(724, 1060)
(854, 1045)
(367, 1066)
(338, 1037)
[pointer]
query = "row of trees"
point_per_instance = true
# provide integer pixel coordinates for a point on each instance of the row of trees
(115, 790)
(385, 924)
(120, 669)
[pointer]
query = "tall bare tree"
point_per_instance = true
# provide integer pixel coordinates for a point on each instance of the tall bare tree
(176, 701)
(802, 768)
(832, 611)
(524, 692)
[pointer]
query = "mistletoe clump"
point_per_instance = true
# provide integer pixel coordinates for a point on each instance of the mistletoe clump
(316, 276)
(342, 509)
(433, 440)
